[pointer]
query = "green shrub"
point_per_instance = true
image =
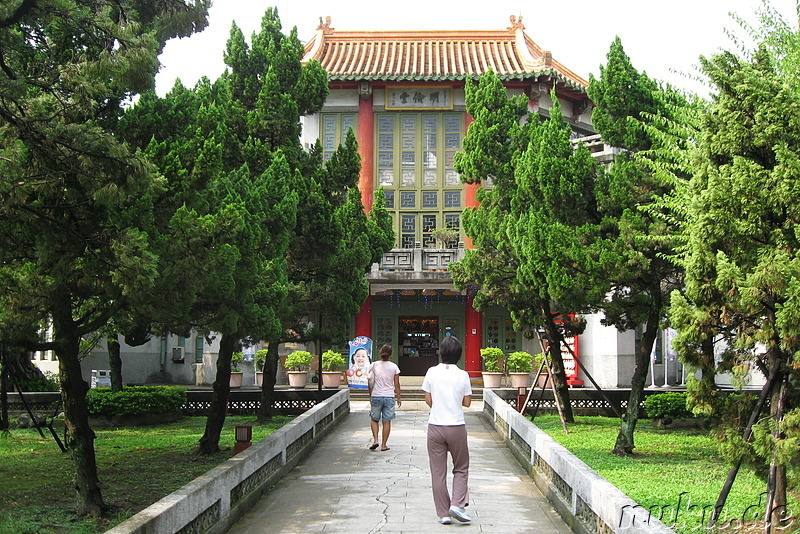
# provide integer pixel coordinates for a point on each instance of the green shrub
(48, 382)
(236, 360)
(332, 360)
(670, 404)
(136, 400)
(493, 359)
(520, 362)
(298, 360)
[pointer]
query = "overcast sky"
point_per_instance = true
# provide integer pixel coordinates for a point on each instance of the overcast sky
(661, 37)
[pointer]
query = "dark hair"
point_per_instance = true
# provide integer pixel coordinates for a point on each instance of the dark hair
(450, 350)
(386, 352)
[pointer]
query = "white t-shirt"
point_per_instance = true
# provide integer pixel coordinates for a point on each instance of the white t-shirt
(382, 374)
(448, 385)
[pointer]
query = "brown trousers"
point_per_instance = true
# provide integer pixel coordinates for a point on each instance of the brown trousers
(441, 440)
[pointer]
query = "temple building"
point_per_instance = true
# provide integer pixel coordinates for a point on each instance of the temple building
(403, 95)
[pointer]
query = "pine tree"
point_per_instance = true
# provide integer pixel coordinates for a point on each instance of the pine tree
(75, 203)
(635, 115)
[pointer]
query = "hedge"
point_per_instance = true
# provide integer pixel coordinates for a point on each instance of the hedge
(669, 404)
(135, 400)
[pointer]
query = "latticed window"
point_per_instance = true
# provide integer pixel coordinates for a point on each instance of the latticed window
(414, 165)
(334, 131)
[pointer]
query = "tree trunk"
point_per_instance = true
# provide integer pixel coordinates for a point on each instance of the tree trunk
(746, 435)
(4, 424)
(115, 362)
(79, 435)
(268, 379)
(20, 365)
(209, 443)
(625, 444)
(776, 500)
(559, 375)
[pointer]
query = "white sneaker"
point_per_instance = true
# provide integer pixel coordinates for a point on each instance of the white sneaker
(460, 514)
(445, 521)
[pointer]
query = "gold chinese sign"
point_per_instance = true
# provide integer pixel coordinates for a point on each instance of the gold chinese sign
(410, 98)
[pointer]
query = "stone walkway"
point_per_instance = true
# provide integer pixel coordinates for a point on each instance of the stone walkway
(344, 487)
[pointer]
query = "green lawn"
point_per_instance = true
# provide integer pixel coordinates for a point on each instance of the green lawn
(137, 466)
(670, 467)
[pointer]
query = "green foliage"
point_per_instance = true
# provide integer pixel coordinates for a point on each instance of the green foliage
(260, 358)
(669, 404)
(136, 400)
(236, 360)
(332, 361)
(494, 359)
(47, 382)
(672, 466)
(521, 362)
(298, 360)
(139, 464)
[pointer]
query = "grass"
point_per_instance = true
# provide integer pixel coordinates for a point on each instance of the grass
(676, 473)
(137, 466)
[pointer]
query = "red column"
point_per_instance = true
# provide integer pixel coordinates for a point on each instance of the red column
(366, 141)
(473, 319)
(469, 189)
(473, 336)
(366, 146)
(364, 319)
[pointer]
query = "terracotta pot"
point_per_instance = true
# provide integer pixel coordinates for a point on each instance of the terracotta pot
(298, 379)
(236, 379)
(259, 378)
(492, 380)
(519, 380)
(331, 379)
(541, 381)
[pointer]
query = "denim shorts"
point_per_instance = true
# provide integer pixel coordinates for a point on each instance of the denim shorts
(381, 408)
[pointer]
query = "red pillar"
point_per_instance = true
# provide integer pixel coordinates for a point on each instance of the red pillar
(366, 146)
(473, 336)
(473, 319)
(366, 179)
(364, 319)
(469, 189)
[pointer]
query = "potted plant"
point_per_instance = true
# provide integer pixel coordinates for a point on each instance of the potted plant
(260, 358)
(236, 371)
(493, 364)
(297, 364)
(541, 379)
(520, 364)
(332, 363)
(445, 237)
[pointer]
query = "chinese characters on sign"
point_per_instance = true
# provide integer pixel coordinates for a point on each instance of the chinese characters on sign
(419, 98)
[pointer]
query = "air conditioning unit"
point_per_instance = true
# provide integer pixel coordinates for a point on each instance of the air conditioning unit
(177, 354)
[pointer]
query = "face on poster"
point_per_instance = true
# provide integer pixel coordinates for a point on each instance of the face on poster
(360, 360)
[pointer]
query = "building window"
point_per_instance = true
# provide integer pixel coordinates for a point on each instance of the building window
(414, 158)
(198, 348)
(334, 131)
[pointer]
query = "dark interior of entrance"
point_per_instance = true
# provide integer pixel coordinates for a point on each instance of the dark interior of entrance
(418, 340)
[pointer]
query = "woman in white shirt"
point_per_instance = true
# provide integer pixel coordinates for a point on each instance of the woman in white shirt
(448, 391)
(384, 392)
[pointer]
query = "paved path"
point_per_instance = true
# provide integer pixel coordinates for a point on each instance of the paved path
(344, 487)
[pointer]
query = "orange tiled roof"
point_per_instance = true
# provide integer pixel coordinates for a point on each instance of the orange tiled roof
(434, 56)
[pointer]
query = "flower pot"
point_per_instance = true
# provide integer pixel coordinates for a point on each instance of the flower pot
(519, 380)
(331, 379)
(236, 379)
(541, 380)
(298, 379)
(259, 378)
(491, 380)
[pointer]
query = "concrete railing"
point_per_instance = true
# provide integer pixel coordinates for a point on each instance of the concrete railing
(588, 503)
(212, 502)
